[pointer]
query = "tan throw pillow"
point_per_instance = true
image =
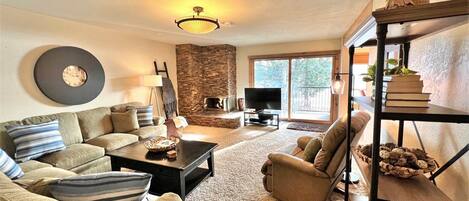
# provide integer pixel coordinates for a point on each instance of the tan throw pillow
(125, 121)
(311, 150)
(332, 139)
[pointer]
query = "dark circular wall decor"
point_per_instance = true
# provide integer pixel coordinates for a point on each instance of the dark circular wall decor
(69, 75)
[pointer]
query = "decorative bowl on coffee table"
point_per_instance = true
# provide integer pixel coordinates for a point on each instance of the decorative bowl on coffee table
(160, 144)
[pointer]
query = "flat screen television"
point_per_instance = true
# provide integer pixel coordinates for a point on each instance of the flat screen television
(263, 98)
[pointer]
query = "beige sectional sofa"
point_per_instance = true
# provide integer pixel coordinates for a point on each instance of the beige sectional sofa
(88, 135)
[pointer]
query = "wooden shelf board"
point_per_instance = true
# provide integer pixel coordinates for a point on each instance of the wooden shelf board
(398, 189)
(433, 113)
(409, 23)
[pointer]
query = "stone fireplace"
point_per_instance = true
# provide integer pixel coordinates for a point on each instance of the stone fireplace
(207, 84)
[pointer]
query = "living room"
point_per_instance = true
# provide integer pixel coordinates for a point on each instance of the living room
(234, 100)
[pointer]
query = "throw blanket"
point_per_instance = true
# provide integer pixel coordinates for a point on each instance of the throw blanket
(169, 98)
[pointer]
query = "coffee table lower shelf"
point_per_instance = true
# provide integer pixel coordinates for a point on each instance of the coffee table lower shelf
(162, 183)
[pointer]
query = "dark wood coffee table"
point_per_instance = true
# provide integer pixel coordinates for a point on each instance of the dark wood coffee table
(179, 176)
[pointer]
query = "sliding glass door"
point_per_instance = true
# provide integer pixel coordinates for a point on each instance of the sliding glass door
(310, 88)
(273, 73)
(305, 83)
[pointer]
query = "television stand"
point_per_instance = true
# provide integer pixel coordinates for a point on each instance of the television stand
(264, 118)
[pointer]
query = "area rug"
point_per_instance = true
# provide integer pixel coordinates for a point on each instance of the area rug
(308, 127)
(238, 169)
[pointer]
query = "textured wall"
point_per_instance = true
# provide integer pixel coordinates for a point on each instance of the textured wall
(204, 71)
(443, 62)
(189, 75)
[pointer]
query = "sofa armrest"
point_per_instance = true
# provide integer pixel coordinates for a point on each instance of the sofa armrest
(158, 120)
(292, 162)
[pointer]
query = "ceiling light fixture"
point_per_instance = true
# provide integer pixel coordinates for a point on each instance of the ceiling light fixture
(197, 23)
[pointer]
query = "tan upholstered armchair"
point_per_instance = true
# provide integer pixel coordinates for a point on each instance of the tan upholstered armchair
(290, 178)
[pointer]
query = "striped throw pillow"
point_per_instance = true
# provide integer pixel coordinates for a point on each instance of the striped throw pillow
(9, 167)
(144, 115)
(102, 186)
(33, 141)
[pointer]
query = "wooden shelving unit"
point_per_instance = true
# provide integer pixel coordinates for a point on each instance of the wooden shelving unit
(399, 27)
(393, 188)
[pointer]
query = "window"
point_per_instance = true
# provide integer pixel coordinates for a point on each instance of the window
(304, 80)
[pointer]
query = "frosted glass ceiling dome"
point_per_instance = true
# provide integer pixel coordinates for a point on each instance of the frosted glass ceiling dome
(198, 24)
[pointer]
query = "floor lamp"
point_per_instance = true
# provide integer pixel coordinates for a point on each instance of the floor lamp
(153, 81)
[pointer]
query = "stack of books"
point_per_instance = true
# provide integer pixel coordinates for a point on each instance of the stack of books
(404, 91)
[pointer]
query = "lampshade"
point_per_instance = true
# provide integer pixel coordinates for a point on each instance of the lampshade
(152, 80)
(198, 24)
(337, 85)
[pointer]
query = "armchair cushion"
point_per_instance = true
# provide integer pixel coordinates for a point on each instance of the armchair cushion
(332, 139)
(311, 150)
(303, 141)
(298, 164)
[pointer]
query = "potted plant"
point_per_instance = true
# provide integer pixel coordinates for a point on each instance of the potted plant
(393, 68)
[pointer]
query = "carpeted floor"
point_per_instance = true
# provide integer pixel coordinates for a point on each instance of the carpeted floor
(238, 161)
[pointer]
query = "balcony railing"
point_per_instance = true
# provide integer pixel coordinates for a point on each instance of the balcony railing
(311, 99)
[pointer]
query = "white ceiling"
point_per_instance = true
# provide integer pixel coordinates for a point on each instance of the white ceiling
(254, 21)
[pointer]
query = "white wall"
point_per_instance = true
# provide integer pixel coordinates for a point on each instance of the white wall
(243, 52)
(24, 36)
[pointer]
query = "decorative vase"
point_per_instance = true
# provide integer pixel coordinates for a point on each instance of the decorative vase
(241, 104)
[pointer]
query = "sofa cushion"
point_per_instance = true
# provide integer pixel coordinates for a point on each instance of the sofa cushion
(4, 178)
(68, 125)
(123, 107)
(33, 165)
(113, 141)
(102, 164)
(33, 141)
(40, 186)
(6, 143)
(311, 150)
(12, 192)
(73, 156)
(95, 122)
(332, 138)
(125, 121)
(150, 131)
(47, 172)
(102, 186)
(9, 167)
